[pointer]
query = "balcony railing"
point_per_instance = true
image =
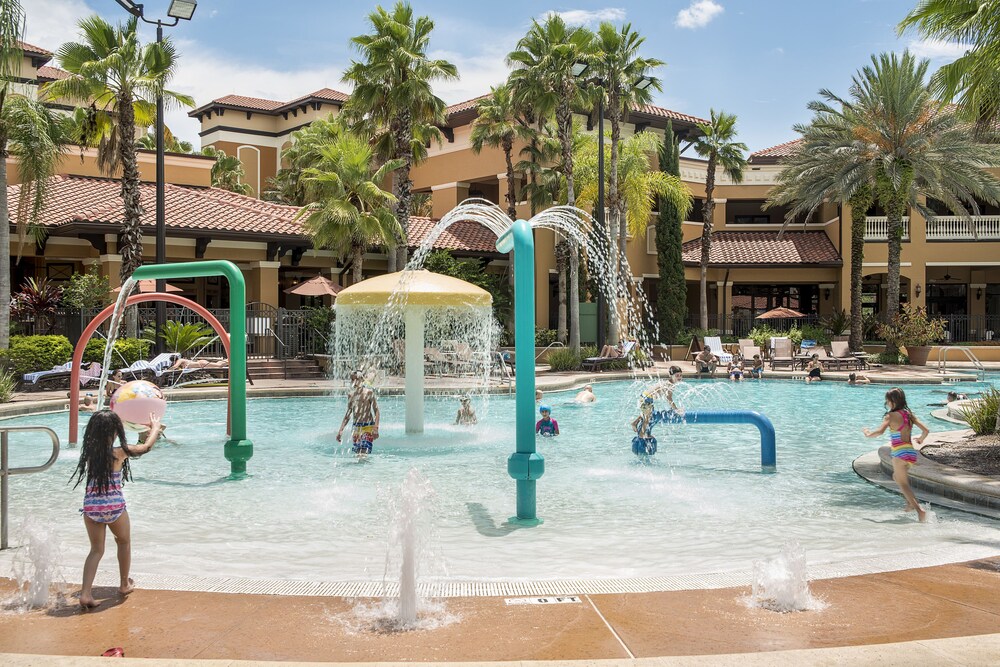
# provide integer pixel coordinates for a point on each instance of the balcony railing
(951, 227)
(877, 228)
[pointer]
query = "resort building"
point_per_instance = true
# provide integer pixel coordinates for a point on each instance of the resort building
(950, 265)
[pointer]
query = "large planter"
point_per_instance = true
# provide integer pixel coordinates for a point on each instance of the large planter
(917, 354)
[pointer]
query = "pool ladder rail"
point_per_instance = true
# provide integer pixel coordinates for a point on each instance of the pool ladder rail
(6, 471)
(942, 360)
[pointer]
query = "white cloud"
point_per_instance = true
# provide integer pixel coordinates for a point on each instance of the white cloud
(936, 49)
(778, 51)
(51, 23)
(589, 16)
(698, 14)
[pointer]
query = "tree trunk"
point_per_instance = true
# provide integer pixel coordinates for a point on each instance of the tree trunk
(562, 255)
(358, 262)
(894, 228)
(708, 211)
(616, 219)
(859, 217)
(131, 234)
(4, 249)
(564, 115)
(404, 139)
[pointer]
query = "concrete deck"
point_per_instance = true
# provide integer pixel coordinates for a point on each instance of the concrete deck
(910, 606)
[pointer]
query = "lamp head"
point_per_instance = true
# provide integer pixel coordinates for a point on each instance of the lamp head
(182, 9)
(579, 68)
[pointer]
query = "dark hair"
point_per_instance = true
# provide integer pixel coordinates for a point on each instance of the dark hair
(673, 370)
(897, 399)
(852, 377)
(97, 460)
(952, 396)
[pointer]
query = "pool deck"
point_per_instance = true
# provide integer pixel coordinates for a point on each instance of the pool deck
(912, 606)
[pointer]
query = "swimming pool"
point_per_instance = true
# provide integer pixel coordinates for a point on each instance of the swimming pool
(308, 511)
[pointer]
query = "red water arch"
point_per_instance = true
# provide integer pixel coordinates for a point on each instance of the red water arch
(88, 332)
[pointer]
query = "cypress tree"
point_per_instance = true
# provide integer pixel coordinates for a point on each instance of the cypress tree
(671, 302)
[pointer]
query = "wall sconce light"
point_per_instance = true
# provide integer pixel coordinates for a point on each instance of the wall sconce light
(826, 294)
(918, 289)
(979, 293)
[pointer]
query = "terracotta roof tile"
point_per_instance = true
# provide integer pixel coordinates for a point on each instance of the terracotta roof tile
(52, 73)
(464, 106)
(322, 94)
(764, 249)
(31, 48)
(661, 112)
(248, 102)
(467, 236)
(74, 199)
(775, 153)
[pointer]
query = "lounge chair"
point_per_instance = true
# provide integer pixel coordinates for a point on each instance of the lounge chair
(782, 354)
(178, 377)
(740, 345)
(747, 353)
(148, 370)
(841, 351)
(595, 363)
(31, 381)
(824, 358)
(714, 344)
(807, 347)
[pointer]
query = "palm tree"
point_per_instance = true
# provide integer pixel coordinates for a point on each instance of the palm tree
(823, 169)
(349, 210)
(717, 143)
(974, 78)
(121, 77)
(392, 89)
(496, 126)
(227, 172)
(171, 144)
(911, 147)
(30, 133)
(288, 185)
(544, 60)
(620, 68)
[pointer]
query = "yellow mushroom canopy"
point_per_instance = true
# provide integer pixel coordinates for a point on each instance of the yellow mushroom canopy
(423, 288)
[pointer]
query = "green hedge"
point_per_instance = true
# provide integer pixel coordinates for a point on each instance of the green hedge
(28, 354)
(127, 351)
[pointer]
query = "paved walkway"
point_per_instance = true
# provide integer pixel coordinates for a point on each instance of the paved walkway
(913, 605)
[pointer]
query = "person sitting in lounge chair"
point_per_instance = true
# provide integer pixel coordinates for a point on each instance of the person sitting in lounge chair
(612, 351)
(706, 362)
(184, 364)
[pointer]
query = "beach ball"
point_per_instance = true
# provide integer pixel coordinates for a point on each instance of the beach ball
(135, 401)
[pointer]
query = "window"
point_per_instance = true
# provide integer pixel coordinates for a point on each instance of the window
(752, 220)
(947, 299)
(651, 240)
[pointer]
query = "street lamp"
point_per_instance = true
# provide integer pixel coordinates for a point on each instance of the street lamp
(178, 10)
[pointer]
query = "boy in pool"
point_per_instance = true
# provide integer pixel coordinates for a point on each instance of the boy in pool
(855, 379)
(362, 407)
(757, 369)
(466, 413)
(546, 427)
(644, 442)
(586, 395)
(666, 388)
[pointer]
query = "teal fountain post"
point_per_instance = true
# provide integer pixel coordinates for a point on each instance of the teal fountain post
(524, 465)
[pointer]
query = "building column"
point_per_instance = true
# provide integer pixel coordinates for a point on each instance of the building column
(263, 283)
(111, 266)
(447, 196)
(719, 214)
(827, 304)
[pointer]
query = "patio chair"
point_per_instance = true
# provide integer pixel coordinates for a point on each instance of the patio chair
(32, 381)
(596, 363)
(825, 358)
(841, 350)
(92, 372)
(742, 345)
(714, 344)
(782, 354)
(148, 370)
(807, 347)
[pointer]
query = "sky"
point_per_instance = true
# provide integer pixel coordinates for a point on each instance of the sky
(763, 60)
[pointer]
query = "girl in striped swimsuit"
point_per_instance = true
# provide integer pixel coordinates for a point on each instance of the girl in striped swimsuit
(899, 420)
(104, 464)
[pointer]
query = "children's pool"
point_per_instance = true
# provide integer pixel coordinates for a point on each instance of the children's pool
(309, 511)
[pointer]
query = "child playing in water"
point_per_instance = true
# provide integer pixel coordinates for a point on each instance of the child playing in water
(735, 370)
(362, 407)
(644, 443)
(586, 395)
(900, 421)
(666, 388)
(546, 426)
(466, 413)
(104, 464)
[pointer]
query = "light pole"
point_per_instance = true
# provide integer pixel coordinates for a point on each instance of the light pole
(179, 9)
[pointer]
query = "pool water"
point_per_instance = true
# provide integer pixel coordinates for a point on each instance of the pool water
(701, 505)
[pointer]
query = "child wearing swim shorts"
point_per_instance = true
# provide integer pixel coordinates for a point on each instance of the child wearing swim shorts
(900, 420)
(644, 444)
(104, 464)
(546, 427)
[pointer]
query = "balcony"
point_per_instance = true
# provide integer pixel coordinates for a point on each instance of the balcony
(877, 228)
(941, 228)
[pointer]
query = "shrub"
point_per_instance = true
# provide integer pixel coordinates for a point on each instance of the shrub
(544, 337)
(564, 359)
(816, 333)
(912, 328)
(127, 351)
(837, 323)
(8, 383)
(87, 290)
(38, 301)
(981, 413)
(180, 338)
(761, 336)
(27, 354)
(886, 358)
(320, 318)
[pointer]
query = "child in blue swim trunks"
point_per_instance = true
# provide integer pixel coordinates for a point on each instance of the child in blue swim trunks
(546, 427)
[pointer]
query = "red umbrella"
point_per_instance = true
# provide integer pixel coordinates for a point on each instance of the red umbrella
(317, 286)
(779, 313)
(149, 286)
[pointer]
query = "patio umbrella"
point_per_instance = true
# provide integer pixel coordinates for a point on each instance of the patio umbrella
(779, 313)
(317, 286)
(148, 286)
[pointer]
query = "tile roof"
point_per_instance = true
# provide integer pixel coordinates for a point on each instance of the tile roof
(270, 106)
(764, 249)
(465, 235)
(464, 106)
(322, 94)
(78, 199)
(775, 153)
(52, 73)
(31, 48)
(661, 112)
(243, 101)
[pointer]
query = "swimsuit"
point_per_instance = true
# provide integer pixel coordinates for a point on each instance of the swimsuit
(104, 506)
(363, 436)
(815, 373)
(903, 451)
(757, 372)
(546, 428)
(736, 373)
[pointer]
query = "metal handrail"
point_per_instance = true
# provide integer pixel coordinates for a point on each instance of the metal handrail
(969, 354)
(547, 347)
(6, 471)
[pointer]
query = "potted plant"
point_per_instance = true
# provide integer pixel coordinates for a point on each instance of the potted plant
(838, 324)
(912, 329)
